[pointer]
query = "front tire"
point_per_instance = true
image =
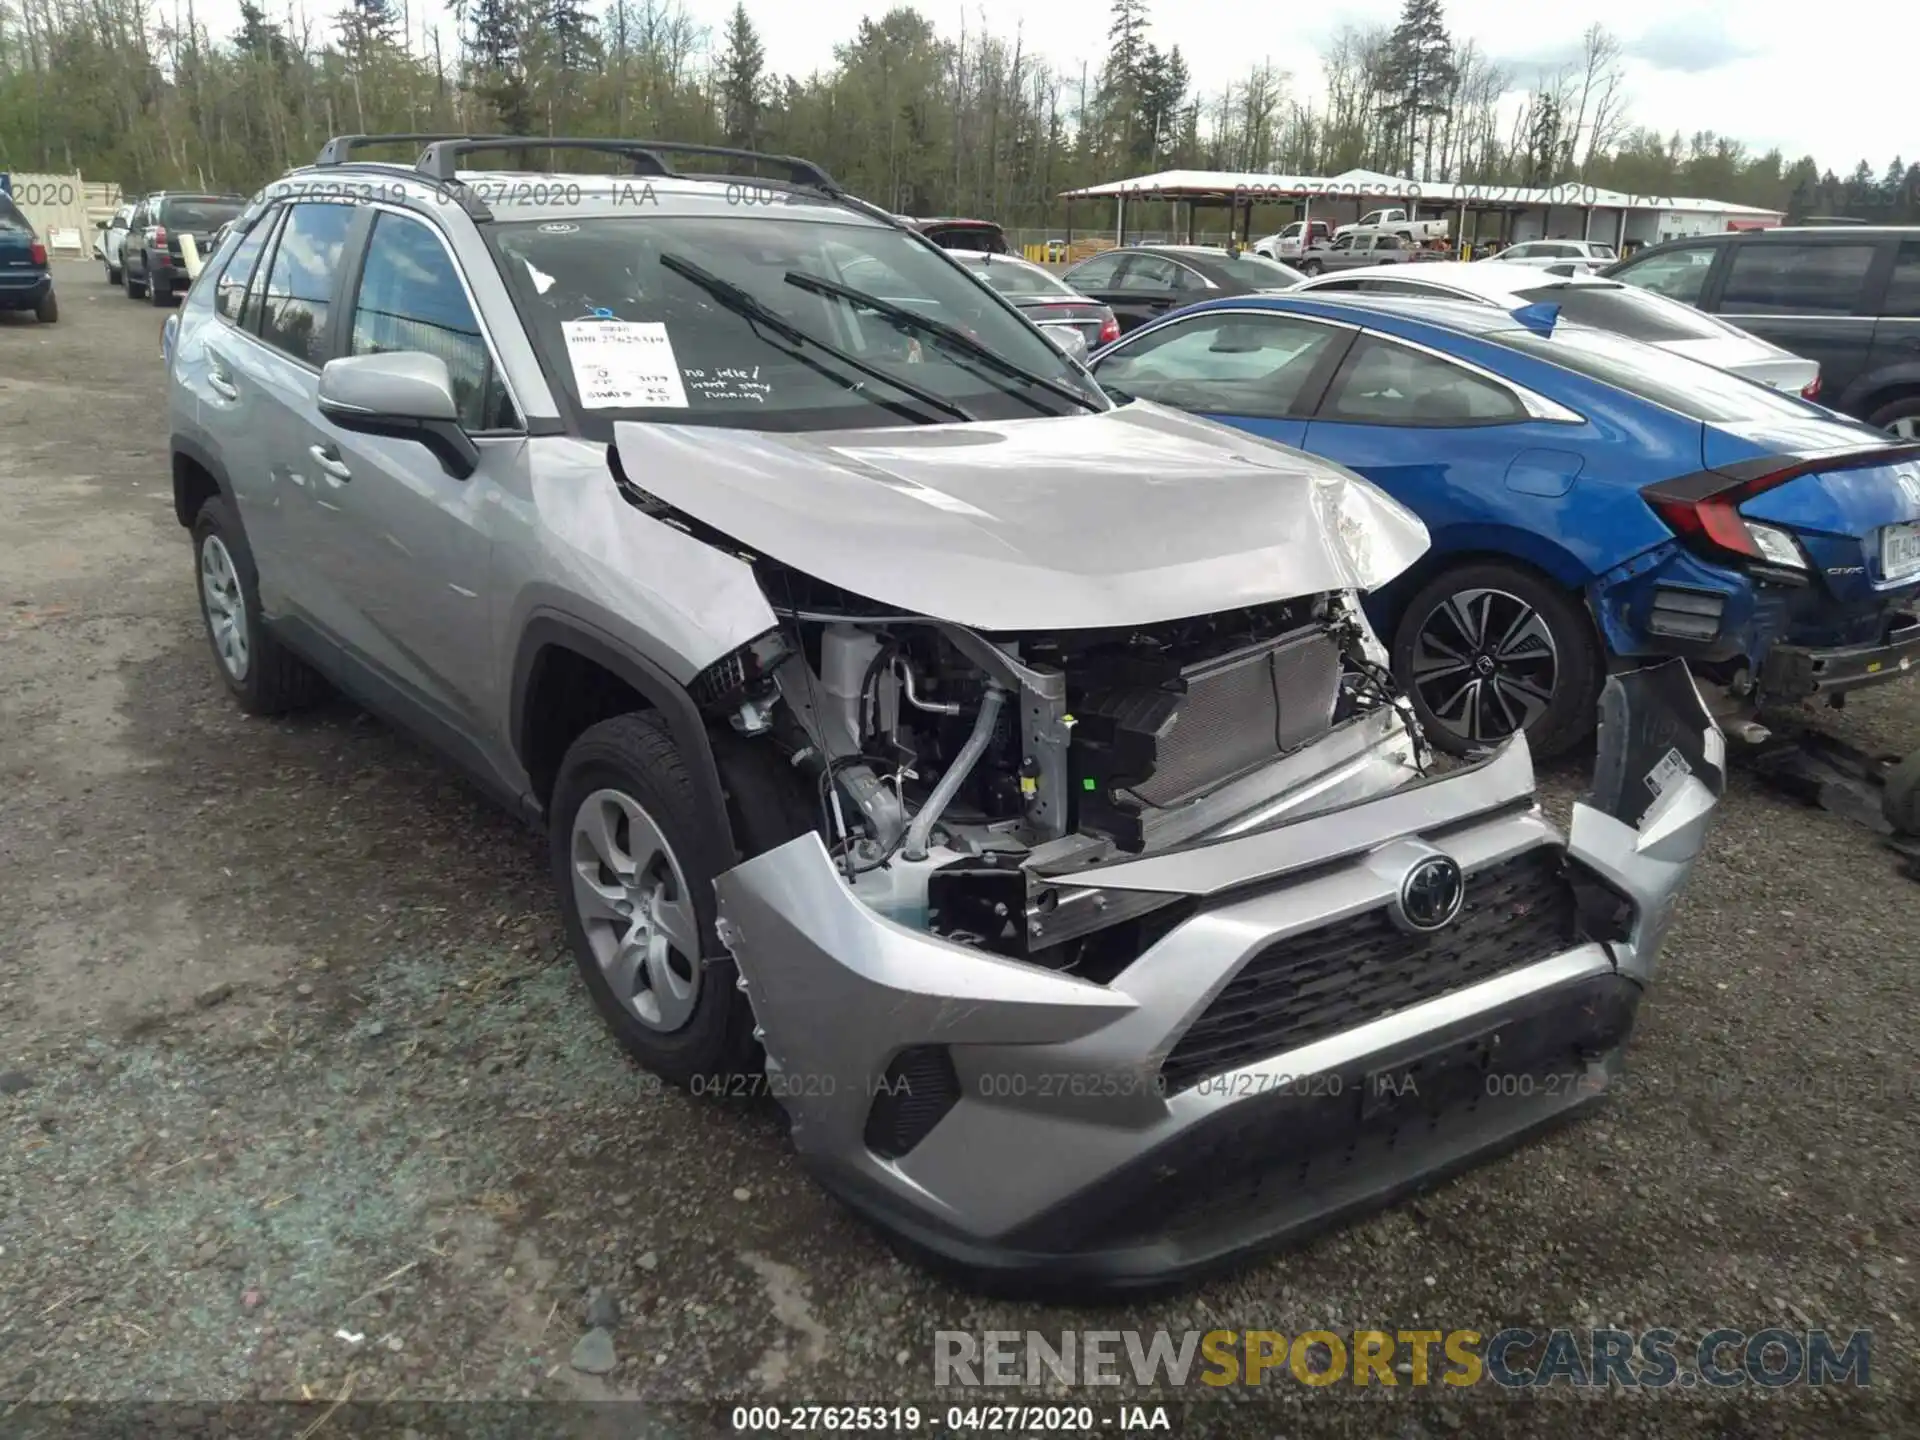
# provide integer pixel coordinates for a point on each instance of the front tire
(264, 676)
(1486, 649)
(634, 862)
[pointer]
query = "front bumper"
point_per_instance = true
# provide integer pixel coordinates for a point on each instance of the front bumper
(1278, 1058)
(1796, 672)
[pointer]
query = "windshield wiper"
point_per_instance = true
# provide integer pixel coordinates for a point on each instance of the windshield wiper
(755, 312)
(958, 339)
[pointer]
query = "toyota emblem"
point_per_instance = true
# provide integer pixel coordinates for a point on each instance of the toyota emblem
(1431, 895)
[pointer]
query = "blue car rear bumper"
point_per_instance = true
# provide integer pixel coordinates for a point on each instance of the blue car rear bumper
(1793, 641)
(16, 296)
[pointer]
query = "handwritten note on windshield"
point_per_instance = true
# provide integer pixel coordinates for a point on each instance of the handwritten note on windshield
(729, 382)
(624, 365)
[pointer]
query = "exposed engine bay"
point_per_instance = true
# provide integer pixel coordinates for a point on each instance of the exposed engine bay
(959, 779)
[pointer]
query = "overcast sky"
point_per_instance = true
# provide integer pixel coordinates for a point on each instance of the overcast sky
(1767, 72)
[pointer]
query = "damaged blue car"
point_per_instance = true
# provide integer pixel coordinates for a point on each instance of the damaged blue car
(1594, 502)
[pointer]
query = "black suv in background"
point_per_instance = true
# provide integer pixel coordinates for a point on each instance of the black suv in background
(951, 232)
(1846, 296)
(153, 262)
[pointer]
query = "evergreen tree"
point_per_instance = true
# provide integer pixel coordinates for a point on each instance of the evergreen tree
(497, 54)
(260, 39)
(1420, 76)
(366, 26)
(742, 81)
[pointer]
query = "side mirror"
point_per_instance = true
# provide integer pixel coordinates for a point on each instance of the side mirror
(407, 395)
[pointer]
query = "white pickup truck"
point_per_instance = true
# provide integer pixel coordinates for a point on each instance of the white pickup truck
(1397, 221)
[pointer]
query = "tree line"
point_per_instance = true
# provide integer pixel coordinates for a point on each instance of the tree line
(923, 122)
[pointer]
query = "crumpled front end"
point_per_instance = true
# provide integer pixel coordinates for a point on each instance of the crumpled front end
(1372, 981)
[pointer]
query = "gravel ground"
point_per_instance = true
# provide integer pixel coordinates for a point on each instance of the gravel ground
(291, 1048)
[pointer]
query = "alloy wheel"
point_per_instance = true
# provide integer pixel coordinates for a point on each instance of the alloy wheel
(226, 606)
(636, 910)
(1485, 664)
(1907, 427)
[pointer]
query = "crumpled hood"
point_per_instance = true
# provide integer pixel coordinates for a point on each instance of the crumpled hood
(1130, 517)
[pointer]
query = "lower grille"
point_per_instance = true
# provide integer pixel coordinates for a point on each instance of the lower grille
(914, 1095)
(1310, 986)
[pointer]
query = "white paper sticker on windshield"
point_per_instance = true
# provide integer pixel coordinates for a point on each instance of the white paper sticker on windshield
(624, 365)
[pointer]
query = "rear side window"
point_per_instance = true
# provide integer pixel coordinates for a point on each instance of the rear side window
(1771, 278)
(300, 284)
(411, 299)
(229, 296)
(11, 218)
(1903, 289)
(198, 216)
(1381, 383)
(1624, 310)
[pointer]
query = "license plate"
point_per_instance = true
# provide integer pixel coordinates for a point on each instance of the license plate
(1899, 551)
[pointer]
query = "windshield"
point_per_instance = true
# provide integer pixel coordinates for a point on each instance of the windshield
(199, 215)
(1687, 387)
(1256, 270)
(650, 319)
(1011, 277)
(1626, 310)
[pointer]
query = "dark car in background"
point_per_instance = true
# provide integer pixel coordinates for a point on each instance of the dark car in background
(1139, 282)
(1046, 299)
(1847, 296)
(26, 280)
(153, 259)
(953, 233)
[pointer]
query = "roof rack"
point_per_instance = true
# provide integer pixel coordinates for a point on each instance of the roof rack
(440, 160)
(339, 150)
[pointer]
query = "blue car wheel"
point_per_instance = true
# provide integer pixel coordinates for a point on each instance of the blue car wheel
(1488, 649)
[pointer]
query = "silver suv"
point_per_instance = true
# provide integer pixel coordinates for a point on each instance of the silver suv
(1004, 778)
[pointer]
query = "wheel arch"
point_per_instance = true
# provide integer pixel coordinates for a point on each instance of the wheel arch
(1497, 545)
(552, 647)
(198, 476)
(1880, 388)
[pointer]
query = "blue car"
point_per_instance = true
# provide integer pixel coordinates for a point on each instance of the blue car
(1593, 502)
(26, 280)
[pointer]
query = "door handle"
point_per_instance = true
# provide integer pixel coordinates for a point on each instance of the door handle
(218, 382)
(330, 463)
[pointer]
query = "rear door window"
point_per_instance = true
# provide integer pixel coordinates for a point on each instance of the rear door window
(1903, 286)
(1097, 273)
(1775, 278)
(299, 289)
(1685, 386)
(1150, 275)
(1679, 274)
(1382, 383)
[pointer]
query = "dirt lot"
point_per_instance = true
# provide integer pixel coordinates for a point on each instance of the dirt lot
(291, 1048)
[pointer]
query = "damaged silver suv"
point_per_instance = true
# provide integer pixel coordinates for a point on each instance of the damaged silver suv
(1004, 779)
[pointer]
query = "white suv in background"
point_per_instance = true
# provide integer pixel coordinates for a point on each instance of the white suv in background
(1565, 256)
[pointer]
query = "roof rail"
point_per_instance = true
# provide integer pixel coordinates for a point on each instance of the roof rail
(440, 160)
(339, 150)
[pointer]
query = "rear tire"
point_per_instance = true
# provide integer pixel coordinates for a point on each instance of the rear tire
(634, 861)
(1485, 645)
(160, 292)
(113, 276)
(1311, 267)
(48, 310)
(1899, 417)
(135, 288)
(264, 676)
